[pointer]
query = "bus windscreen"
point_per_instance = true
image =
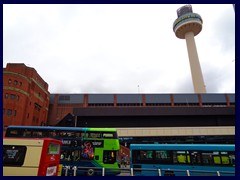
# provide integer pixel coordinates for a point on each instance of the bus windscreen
(53, 148)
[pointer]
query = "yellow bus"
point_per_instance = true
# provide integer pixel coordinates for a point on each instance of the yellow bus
(31, 157)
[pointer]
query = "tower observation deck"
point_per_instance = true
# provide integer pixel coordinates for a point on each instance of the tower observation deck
(186, 26)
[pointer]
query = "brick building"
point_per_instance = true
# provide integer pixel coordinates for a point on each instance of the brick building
(25, 96)
(141, 110)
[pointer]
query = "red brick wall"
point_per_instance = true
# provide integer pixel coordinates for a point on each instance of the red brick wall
(31, 96)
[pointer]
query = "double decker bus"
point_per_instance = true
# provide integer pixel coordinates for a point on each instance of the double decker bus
(31, 157)
(183, 159)
(88, 149)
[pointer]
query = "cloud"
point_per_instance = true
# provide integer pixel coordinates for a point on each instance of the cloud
(118, 48)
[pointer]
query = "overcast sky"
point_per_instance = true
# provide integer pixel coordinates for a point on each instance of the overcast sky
(106, 48)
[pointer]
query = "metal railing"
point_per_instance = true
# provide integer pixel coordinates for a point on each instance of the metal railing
(91, 171)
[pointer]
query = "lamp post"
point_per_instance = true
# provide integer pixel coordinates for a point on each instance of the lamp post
(75, 121)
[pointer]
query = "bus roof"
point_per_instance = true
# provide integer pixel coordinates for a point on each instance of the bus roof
(227, 147)
(64, 128)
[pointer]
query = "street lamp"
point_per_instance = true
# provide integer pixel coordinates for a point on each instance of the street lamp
(75, 120)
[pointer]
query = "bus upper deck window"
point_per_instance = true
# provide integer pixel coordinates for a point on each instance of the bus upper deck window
(108, 135)
(27, 133)
(52, 133)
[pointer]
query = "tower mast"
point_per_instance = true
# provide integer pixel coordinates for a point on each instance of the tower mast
(186, 26)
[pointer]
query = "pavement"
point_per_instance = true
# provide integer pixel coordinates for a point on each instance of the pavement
(125, 171)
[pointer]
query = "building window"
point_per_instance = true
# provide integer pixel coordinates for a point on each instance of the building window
(9, 112)
(9, 81)
(28, 115)
(13, 96)
(64, 98)
(15, 113)
(15, 82)
(17, 97)
(6, 96)
(37, 107)
(32, 85)
(20, 83)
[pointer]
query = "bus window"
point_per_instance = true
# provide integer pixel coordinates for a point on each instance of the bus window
(195, 157)
(15, 133)
(232, 158)
(108, 135)
(207, 158)
(181, 157)
(52, 134)
(144, 156)
(161, 154)
(109, 157)
(94, 135)
(14, 155)
(216, 158)
(149, 155)
(76, 155)
(164, 157)
(37, 134)
(53, 148)
(27, 133)
(67, 155)
(62, 134)
(70, 134)
(227, 158)
(77, 134)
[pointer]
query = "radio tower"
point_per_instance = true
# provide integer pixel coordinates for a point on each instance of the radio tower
(186, 26)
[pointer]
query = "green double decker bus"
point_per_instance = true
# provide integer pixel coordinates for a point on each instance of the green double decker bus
(89, 150)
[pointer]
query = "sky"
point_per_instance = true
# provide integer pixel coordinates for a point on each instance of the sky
(119, 48)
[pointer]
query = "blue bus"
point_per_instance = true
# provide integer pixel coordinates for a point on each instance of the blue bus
(89, 149)
(182, 159)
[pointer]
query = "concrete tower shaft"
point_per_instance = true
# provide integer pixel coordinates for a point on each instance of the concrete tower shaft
(186, 26)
